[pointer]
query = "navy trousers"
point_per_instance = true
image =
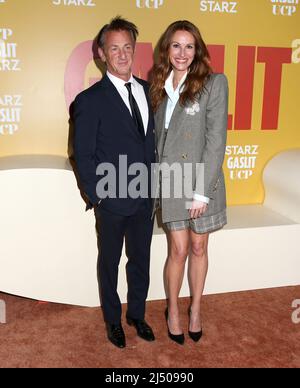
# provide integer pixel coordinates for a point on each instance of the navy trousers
(136, 230)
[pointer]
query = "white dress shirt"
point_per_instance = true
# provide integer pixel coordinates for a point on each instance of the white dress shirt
(138, 93)
(173, 98)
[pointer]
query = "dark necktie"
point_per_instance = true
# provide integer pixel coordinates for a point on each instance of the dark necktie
(136, 114)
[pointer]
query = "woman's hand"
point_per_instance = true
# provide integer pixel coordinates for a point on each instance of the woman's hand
(197, 209)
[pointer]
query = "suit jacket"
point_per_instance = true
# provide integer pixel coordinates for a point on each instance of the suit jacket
(104, 130)
(196, 134)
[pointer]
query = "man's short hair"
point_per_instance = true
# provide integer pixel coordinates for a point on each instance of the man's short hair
(117, 24)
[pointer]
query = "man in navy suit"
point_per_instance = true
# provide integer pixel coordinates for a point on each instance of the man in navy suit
(113, 120)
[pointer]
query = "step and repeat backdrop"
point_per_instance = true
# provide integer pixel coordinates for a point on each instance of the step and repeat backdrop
(47, 58)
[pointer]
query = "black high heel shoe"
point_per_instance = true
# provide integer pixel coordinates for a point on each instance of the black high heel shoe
(178, 338)
(194, 335)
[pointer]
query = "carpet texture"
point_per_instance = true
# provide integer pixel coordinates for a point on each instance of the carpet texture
(245, 329)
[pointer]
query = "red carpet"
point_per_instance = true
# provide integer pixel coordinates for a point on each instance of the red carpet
(247, 329)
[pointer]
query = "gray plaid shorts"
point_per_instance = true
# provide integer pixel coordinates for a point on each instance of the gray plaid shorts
(200, 225)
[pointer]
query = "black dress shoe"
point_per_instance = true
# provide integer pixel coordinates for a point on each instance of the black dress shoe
(178, 338)
(142, 328)
(194, 335)
(116, 335)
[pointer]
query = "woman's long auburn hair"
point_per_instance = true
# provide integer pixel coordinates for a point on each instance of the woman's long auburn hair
(198, 72)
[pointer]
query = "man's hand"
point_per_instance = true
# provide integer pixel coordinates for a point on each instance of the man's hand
(198, 208)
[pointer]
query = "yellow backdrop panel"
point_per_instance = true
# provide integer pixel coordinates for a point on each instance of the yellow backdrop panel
(46, 58)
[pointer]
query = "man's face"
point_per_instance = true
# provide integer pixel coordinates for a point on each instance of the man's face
(118, 53)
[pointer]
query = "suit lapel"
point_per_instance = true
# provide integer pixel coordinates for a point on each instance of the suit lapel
(150, 114)
(178, 116)
(176, 124)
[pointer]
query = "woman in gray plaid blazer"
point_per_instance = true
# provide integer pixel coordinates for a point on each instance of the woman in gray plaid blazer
(191, 113)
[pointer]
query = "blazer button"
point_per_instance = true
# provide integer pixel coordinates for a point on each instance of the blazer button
(184, 156)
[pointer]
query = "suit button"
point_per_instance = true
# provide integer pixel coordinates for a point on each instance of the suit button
(184, 156)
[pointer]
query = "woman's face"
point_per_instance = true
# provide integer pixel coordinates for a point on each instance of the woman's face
(182, 51)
